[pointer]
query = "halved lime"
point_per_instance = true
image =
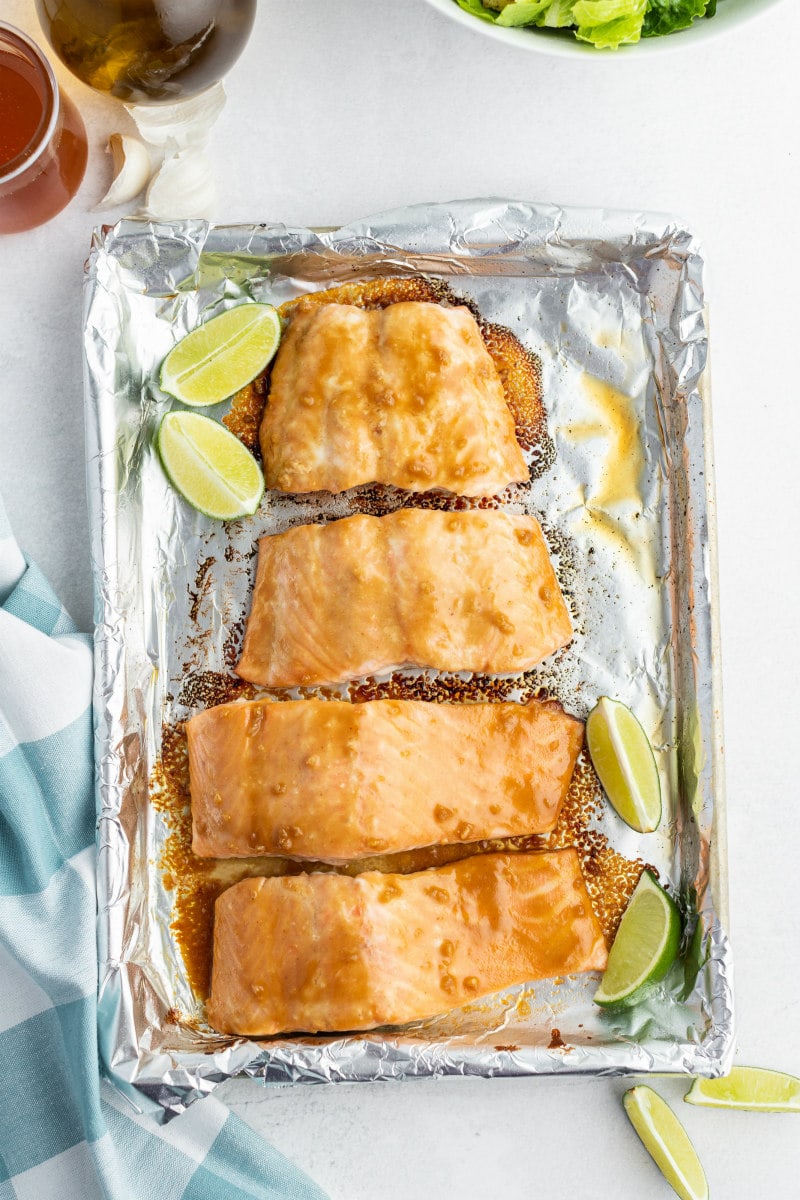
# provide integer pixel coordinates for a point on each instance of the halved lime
(624, 761)
(667, 1142)
(209, 466)
(645, 947)
(218, 358)
(753, 1088)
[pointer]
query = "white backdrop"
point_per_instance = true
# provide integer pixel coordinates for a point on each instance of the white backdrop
(340, 109)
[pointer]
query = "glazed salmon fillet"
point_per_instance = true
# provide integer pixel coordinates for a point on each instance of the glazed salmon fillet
(406, 395)
(321, 953)
(455, 591)
(333, 781)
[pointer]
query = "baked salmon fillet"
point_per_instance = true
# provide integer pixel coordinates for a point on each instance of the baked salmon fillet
(333, 781)
(322, 953)
(455, 591)
(407, 395)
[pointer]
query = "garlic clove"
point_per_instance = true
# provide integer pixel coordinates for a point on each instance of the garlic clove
(183, 187)
(131, 167)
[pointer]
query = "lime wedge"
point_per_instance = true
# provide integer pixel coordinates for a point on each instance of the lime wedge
(625, 763)
(753, 1088)
(218, 358)
(645, 947)
(209, 466)
(667, 1142)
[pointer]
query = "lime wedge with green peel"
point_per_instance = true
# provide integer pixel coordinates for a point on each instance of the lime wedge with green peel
(220, 357)
(753, 1088)
(667, 1142)
(645, 947)
(209, 466)
(624, 761)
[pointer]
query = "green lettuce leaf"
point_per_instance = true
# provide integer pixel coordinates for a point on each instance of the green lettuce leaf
(666, 16)
(553, 14)
(476, 8)
(608, 24)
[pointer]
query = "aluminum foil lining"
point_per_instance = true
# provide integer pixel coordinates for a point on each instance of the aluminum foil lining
(614, 306)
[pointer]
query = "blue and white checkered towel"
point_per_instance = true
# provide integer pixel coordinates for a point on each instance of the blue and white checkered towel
(64, 1134)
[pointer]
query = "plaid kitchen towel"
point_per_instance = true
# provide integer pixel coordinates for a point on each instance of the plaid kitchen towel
(64, 1133)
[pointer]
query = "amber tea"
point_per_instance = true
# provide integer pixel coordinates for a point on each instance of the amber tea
(148, 50)
(42, 139)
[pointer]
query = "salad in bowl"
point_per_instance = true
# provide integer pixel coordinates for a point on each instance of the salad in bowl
(604, 24)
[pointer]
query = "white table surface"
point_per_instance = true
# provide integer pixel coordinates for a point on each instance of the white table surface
(340, 109)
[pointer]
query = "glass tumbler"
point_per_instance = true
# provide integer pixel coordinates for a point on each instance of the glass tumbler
(148, 51)
(43, 145)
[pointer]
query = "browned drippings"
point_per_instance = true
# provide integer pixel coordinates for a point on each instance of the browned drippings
(520, 373)
(610, 877)
(556, 1040)
(447, 689)
(197, 882)
(202, 583)
(378, 500)
(247, 407)
(519, 369)
(377, 293)
(206, 689)
(232, 646)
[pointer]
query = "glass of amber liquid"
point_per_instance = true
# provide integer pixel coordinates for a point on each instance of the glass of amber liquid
(42, 138)
(147, 51)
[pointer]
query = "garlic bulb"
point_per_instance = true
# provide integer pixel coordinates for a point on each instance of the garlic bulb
(180, 125)
(183, 186)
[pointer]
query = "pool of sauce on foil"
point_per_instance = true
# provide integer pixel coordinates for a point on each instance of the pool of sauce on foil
(616, 422)
(195, 883)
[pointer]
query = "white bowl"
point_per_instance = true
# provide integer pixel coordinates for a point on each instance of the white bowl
(731, 14)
